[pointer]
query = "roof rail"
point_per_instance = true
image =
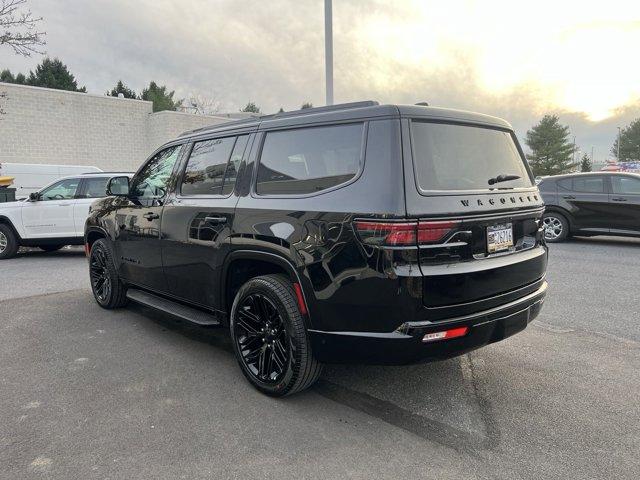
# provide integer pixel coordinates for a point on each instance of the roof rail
(101, 173)
(292, 113)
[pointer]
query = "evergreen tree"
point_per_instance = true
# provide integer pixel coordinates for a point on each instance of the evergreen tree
(551, 151)
(21, 79)
(306, 105)
(6, 76)
(54, 74)
(160, 98)
(585, 163)
(251, 108)
(123, 89)
(629, 142)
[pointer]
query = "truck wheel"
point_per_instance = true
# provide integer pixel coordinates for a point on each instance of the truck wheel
(8, 242)
(50, 248)
(556, 227)
(269, 337)
(108, 289)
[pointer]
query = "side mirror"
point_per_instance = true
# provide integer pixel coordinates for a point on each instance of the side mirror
(118, 187)
(34, 196)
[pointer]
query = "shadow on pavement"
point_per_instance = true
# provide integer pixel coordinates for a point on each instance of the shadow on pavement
(440, 402)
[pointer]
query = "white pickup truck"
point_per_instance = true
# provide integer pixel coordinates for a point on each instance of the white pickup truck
(54, 216)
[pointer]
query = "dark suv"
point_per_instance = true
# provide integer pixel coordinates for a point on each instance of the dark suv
(353, 233)
(598, 203)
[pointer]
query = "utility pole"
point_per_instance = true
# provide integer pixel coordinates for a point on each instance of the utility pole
(328, 49)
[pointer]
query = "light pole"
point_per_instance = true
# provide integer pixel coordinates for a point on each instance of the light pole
(328, 50)
(618, 148)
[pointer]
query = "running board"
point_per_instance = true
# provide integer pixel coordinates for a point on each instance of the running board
(178, 310)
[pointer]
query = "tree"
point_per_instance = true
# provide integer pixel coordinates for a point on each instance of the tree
(7, 77)
(551, 151)
(18, 28)
(585, 163)
(202, 105)
(251, 108)
(629, 142)
(306, 105)
(160, 98)
(54, 74)
(123, 89)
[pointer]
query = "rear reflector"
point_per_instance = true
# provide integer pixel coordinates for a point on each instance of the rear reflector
(445, 334)
(300, 298)
(402, 234)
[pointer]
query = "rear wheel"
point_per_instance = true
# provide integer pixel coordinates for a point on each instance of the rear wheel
(108, 289)
(8, 242)
(50, 248)
(269, 337)
(556, 227)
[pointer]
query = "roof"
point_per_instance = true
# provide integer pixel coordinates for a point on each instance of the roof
(347, 111)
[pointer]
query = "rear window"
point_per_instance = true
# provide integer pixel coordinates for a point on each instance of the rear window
(309, 160)
(460, 157)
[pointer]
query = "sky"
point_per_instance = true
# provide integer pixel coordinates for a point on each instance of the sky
(513, 59)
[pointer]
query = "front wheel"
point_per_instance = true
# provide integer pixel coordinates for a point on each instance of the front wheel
(108, 289)
(556, 227)
(269, 337)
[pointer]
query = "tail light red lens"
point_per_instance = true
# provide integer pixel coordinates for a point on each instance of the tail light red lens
(403, 234)
(387, 233)
(431, 232)
(445, 334)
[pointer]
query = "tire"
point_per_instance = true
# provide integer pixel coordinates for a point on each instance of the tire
(556, 227)
(108, 289)
(8, 242)
(50, 248)
(269, 303)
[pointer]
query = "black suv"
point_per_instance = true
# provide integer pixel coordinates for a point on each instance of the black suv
(598, 203)
(353, 233)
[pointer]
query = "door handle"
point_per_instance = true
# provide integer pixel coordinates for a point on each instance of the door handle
(215, 220)
(151, 216)
(618, 199)
(568, 197)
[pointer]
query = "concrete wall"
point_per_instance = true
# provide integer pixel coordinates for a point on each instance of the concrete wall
(42, 125)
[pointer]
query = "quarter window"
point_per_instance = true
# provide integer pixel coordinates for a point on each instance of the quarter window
(152, 181)
(207, 166)
(625, 185)
(309, 160)
(63, 190)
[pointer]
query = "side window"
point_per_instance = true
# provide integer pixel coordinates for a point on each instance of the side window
(205, 171)
(588, 184)
(153, 180)
(308, 160)
(625, 185)
(63, 190)
(566, 184)
(94, 187)
(231, 174)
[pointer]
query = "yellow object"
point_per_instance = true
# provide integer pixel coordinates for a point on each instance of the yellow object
(6, 181)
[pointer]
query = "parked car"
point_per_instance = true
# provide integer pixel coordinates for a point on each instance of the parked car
(53, 217)
(29, 177)
(597, 203)
(358, 233)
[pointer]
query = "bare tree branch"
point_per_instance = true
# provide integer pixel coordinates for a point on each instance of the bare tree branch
(18, 28)
(202, 105)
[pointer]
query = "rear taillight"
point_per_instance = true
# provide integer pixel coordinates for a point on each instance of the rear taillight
(403, 234)
(445, 334)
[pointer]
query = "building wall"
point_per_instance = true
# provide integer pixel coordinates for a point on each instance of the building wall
(42, 125)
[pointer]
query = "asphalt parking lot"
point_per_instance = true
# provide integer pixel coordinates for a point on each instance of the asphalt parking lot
(88, 393)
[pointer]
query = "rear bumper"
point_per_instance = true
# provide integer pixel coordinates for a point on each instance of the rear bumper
(405, 345)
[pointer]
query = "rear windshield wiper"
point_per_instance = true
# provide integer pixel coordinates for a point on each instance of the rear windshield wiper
(503, 178)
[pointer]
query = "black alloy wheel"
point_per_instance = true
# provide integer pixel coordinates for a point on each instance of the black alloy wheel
(270, 339)
(262, 338)
(108, 289)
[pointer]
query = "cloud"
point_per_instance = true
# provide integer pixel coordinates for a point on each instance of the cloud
(485, 56)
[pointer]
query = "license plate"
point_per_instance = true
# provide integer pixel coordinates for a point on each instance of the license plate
(499, 237)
